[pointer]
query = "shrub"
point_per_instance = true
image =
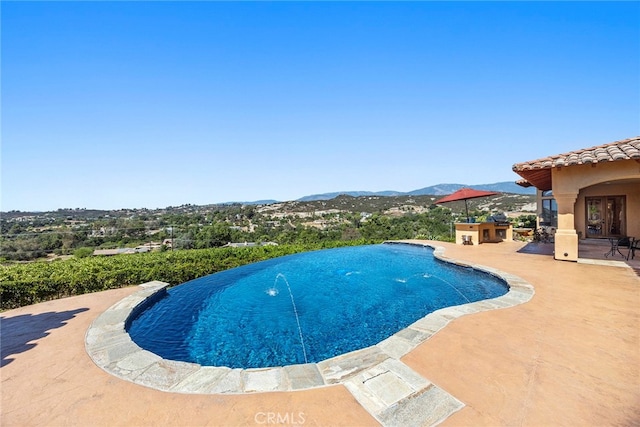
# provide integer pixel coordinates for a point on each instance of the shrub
(83, 252)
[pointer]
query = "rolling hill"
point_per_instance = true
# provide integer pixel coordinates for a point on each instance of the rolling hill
(433, 190)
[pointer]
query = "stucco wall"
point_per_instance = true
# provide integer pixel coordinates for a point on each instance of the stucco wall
(566, 179)
(602, 179)
(632, 207)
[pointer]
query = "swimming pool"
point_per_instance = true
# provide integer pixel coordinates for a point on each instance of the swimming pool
(306, 307)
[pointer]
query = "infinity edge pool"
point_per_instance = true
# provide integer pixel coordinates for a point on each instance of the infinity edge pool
(374, 375)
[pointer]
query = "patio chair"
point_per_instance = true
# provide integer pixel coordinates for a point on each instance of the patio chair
(542, 234)
(616, 244)
(633, 245)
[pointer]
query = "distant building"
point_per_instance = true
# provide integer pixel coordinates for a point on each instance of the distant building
(248, 244)
(148, 247)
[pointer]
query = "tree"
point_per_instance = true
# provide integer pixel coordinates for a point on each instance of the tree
(376, 227)
(212, 236)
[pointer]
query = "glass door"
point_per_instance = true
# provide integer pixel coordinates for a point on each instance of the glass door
(605, 216)
(595, 217)
(615, 216)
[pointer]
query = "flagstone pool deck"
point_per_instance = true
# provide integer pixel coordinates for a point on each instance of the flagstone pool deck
(569, 356)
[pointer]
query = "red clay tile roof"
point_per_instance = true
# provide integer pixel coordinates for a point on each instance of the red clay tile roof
(538, 172)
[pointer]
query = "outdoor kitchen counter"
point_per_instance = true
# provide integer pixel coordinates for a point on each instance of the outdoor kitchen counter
(483, 232)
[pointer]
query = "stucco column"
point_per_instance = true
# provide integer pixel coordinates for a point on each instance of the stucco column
(566, 239)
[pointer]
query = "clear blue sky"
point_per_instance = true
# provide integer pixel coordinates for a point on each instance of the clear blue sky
(114, 105)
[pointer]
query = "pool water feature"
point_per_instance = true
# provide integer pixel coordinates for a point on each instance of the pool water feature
(306, 307)
(295, 311)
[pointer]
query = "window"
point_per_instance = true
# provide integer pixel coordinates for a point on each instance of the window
(549, 213)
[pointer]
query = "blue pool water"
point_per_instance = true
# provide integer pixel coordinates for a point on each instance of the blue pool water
(305, 307)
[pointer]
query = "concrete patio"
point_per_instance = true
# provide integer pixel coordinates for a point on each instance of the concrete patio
(570, 356)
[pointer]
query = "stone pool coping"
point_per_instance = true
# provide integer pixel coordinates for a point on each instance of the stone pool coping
(387, 388)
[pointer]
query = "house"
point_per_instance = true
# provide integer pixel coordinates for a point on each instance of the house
(248, 244)
(148, 247)
(588, 193)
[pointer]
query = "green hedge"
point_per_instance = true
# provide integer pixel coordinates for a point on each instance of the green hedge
(30, 283)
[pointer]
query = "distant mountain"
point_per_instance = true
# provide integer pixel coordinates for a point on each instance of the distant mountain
(434, 190)
(329, 196)
(258, 202)
(501, 187)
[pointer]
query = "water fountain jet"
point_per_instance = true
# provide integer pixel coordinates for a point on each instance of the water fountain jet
(295, 311)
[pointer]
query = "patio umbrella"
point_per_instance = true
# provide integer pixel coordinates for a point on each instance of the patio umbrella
(465, 194)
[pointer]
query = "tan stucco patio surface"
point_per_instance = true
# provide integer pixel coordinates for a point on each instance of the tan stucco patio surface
(570, 356)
